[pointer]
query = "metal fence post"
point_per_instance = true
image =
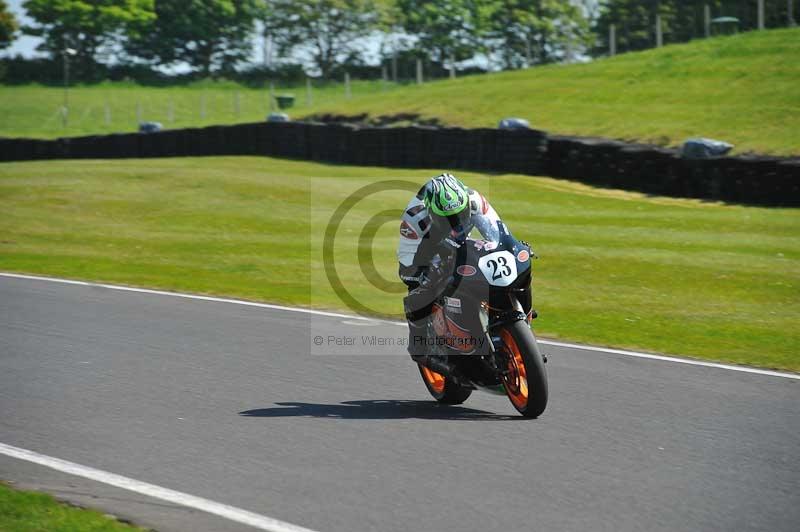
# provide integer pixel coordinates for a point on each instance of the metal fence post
(760, 14)
(419, 71)
(309, 99)
(612, 40)
(347, 92)
(790, 13)
(271, 96)
(65, 53)
(707, 20)
(659, 36)
(528, 54)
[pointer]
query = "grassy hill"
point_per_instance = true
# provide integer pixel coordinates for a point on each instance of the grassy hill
(743, 89)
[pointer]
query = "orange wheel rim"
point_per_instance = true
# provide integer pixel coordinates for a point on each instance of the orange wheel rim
(516, 379)
(434, 380)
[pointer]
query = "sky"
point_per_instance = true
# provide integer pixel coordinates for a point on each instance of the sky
(24, 44)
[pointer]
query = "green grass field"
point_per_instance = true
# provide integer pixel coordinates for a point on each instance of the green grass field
(742, 88)
(34, 111)
(26, 511)
(666, 275)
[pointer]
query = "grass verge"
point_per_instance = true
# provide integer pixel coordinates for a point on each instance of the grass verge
(667, 275)
(27, 511)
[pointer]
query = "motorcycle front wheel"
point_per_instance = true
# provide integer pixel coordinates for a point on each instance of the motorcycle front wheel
(442, 389)
(525, 379)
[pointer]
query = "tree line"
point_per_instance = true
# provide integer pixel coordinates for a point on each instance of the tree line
(216, 38)
(681, 20)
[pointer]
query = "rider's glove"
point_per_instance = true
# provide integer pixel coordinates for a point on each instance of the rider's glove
(429, 278)
(425, 282)
(434, 274)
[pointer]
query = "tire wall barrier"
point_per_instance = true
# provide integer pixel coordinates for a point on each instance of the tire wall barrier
(743, 179)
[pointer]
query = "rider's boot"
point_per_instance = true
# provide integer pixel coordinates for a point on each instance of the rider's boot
(422, 353)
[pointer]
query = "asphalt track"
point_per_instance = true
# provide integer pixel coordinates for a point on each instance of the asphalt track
(223, 401)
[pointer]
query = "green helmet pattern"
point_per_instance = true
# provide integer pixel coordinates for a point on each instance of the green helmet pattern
(445, 195)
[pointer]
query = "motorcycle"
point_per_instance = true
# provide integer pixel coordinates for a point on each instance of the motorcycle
(479, 334)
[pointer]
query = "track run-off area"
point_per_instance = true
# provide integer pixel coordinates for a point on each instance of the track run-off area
(184, 412)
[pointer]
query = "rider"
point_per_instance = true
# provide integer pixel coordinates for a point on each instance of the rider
(434, 226)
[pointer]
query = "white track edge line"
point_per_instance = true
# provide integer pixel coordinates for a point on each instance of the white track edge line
(232, 513)
(665, 358)
(185, 296)
(607, 350)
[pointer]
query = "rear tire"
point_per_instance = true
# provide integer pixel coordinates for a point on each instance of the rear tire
(526, 382)
(443, 389)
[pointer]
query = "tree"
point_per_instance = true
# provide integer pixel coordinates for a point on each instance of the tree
(327, 29)
(446, 29)
(8, 26)
(634, 23)
(682, 20)
(526, 32)
(208, 35)
(775, 12)
(87, 26)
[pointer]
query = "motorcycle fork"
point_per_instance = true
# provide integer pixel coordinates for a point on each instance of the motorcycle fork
(498, 355)
(494, 357)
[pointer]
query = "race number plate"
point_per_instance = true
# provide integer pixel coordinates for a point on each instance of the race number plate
(499, 268)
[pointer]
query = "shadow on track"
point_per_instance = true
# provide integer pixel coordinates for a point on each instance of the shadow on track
(377, 409)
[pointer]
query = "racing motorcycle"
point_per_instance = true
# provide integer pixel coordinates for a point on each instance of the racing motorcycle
(479, 334)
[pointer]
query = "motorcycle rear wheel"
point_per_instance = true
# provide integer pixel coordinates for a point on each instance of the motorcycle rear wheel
(443, 389)
(526, 379)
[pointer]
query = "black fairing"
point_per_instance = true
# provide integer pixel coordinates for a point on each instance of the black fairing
(469, 286)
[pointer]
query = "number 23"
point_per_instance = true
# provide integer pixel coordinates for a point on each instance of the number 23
(500, 268)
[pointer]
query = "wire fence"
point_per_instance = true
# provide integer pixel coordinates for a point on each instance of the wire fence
(108, 108)
(714, 24)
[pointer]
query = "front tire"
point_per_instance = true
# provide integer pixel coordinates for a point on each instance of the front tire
(443, 389)
(526, 379)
